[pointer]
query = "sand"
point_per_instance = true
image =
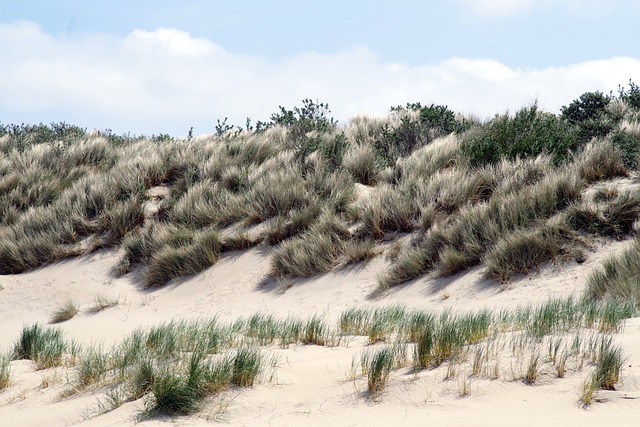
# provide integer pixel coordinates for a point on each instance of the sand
(313, 385)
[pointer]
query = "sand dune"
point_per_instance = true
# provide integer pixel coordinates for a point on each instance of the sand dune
(312, 385)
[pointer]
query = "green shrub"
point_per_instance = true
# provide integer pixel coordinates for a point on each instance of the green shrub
(630, 96)
(527, 134)
(417, 126)
(589, 114)
(629, 146)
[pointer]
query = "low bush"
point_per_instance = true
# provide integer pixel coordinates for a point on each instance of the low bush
(527, 134)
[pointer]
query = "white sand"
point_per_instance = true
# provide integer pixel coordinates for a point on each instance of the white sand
(312, 385)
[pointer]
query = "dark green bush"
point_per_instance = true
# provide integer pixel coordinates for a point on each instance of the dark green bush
(527, 134)
(589, 114)
(432, 122)
(630, 96)
(629, 146)
(24, 136)
(590, 106)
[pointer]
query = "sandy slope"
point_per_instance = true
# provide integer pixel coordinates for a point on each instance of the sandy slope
(313, 385)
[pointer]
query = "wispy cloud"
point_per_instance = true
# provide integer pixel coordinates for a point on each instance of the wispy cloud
(167, 80)
(497, 8)
(510, 8)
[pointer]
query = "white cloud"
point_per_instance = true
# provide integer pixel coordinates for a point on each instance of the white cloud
(166, 81)
(509, 8)
(499, 8)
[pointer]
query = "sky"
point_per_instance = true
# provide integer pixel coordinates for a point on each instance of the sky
(160, 66)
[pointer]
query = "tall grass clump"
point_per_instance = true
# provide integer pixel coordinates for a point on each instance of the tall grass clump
(173, 393)
(171, 263)
(361, 162)
(93, 366)
(46, 347)
(618, 277)
(247, 365)
(522, 251)
(5, 371)
(477, 229)
(315, 251)
(380, 363)
(606, 373)
(386, 209)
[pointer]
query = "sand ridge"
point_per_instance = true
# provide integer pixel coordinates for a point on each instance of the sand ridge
(312, 385)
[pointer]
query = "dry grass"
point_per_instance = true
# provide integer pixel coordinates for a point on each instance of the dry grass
(77, 193)
(65, 312)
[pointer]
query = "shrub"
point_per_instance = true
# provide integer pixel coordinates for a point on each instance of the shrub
(589, 114)
(630, 96)
(417, 126)
(311, 116)
(629, 146)
(528, 133)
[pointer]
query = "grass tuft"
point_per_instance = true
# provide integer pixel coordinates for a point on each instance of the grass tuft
(5, 371)
(65, 312)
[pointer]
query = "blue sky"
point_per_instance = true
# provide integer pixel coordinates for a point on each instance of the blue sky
(164, 66)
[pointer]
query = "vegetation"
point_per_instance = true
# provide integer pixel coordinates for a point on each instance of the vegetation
(5, 371)
(65, 312)
(508, 194)
(176, 366)
(467, 192)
